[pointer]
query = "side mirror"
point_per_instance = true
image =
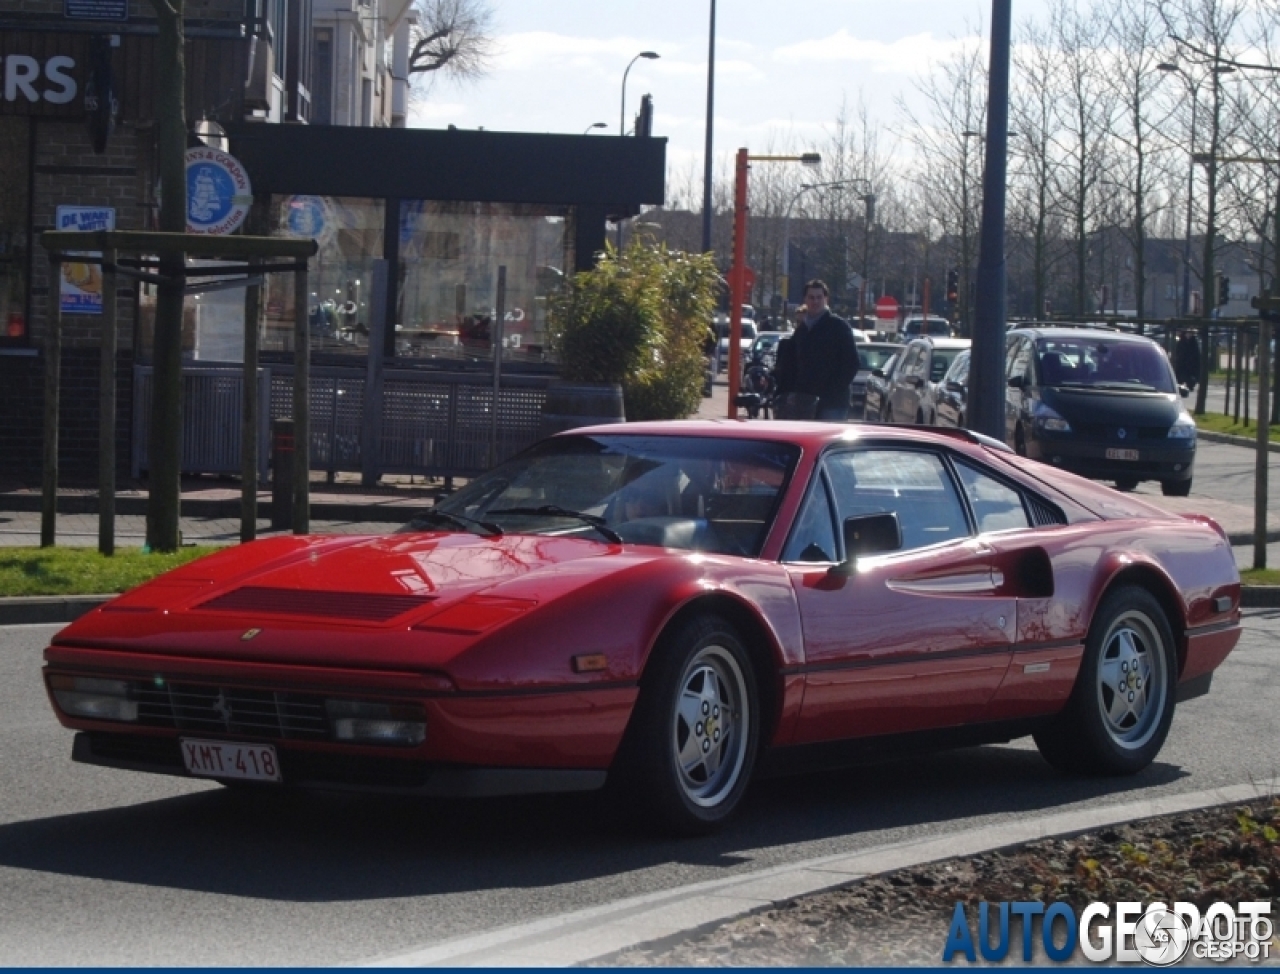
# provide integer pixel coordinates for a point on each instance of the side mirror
(868, 534)
(954, 386)
(879, 372)
(1017, 382)
(1184, 389)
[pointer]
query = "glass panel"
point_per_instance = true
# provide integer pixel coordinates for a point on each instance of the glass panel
(449, 259)
(13, 229)
(704, 494)
(912, 484)
(996, 506)
(349, 231)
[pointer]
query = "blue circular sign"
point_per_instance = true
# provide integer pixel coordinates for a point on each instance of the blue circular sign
(218, 192)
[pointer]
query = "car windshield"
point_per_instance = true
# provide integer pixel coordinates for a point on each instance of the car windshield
(1104, 363)
(941, 361)
(875, 357)
(697, 493)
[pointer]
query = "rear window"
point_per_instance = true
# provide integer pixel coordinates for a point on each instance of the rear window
(1104, 364)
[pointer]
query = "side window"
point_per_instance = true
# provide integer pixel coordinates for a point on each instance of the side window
(1010, 355)
(996, 506)
(1020, 359)
(814, 536)
(913, 484)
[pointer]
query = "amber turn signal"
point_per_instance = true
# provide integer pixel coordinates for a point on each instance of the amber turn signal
(591, 663)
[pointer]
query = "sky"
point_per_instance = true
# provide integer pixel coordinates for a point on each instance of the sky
(783, 69)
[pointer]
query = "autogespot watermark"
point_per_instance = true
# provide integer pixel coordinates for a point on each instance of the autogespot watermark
(1156, 933)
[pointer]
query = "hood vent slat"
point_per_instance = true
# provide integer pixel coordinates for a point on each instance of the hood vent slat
(358, 606)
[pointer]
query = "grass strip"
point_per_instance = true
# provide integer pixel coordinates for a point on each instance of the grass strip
(83, 571)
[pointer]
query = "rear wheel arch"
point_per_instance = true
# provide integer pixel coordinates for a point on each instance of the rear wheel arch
(1164, 592)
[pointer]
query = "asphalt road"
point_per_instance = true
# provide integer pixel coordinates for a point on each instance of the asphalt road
(103, 867)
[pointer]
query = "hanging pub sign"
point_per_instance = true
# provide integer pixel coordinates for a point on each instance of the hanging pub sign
(105, 10)
(80, 290)
(218, 192)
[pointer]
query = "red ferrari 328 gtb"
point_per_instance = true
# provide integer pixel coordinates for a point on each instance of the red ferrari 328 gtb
(670, 608)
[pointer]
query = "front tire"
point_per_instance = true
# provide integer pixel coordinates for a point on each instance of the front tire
(692, 743)
(1121, 707)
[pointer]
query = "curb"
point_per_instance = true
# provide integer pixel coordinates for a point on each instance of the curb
(1248, 442)
(599, 933)
(32, 610)
(396, 510)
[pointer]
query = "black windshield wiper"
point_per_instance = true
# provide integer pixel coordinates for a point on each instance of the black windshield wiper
(551, 510)
(484, 528)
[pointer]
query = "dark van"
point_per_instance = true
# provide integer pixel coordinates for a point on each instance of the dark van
(1101, 404)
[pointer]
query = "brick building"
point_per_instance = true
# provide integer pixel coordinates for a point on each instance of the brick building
(77, 141)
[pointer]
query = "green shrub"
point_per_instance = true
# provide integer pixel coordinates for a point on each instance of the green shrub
(639, 318)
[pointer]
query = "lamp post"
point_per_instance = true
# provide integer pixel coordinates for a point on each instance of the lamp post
(595, 125)
(739, 273)
(706, 152)
(786, 238)
(1267, 307)
(622, 113)
(869, 200)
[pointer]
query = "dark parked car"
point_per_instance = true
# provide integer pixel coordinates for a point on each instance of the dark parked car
(951, 395)
(871, 355)
(877, 385)
(924, 362)
(1101, 404)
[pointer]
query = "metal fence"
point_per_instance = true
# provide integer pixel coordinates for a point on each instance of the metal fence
(436, 424)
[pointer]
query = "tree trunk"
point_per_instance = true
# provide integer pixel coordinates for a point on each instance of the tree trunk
(165, 447)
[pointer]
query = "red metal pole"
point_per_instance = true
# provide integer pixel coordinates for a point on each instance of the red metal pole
(737, 279)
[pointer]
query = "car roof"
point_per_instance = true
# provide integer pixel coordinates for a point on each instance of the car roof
(1088, 334)
(937, 341)
(808, 435)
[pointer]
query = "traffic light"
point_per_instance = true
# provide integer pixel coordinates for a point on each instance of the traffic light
(953, 285)
(1224, 289)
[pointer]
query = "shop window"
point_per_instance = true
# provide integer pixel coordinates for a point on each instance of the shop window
(449, 258)
(14, 135)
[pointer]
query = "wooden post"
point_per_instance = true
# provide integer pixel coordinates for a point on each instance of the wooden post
(249, 416)
(107, 409)
(496, 334)
(52, 390)
(301, 404)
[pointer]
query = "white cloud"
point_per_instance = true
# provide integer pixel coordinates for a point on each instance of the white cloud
(905, 55)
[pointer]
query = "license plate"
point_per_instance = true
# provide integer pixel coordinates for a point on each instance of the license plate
(225, 759)
(1116, 454)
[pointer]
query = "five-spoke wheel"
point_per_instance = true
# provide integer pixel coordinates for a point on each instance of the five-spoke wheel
(1122, 704)
(691, 746)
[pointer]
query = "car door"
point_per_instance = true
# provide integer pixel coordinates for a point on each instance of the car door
(914, 639)
(905, 390)
(1018, 362)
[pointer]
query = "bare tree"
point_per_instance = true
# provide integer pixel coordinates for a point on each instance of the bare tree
(452, 36)
(950, 168)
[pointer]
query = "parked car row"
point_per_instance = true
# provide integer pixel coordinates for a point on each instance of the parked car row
(1102, 404)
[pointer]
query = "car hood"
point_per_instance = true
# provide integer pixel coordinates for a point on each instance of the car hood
(1093, 407)
(477, 612)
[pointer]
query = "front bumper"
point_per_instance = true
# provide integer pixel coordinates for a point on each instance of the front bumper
(1157, 459)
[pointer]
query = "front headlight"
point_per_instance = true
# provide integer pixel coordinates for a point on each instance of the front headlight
(1183, 428)
(1048, 420)
(367, 722)
(93, 698)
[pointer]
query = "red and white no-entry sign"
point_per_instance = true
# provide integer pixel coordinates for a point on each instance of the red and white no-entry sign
(887, 307)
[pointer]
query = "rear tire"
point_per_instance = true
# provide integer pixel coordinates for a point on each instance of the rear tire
(691, 747)
(1127, 484)
(1019, 442)
(1176, 488)
(1122, 704)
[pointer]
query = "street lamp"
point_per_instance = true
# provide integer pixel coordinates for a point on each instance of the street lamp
(622, 113)
(706, 152)
(739, 273)
(786, 238)
(595, 125)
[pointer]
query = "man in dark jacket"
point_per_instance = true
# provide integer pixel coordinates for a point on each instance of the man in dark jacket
(826, 358)
(1186, 359)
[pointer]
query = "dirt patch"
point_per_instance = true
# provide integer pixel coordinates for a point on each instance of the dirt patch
(1225, 854)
